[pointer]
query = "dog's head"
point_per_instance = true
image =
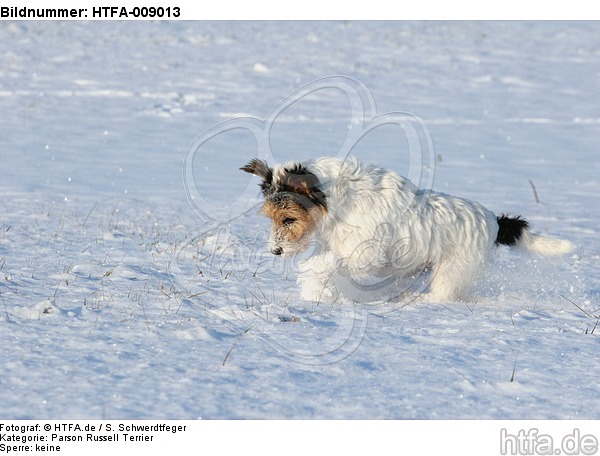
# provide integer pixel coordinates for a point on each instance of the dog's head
(294, 202)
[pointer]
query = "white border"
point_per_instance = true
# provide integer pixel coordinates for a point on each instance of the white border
(323, 10)
(347, 438)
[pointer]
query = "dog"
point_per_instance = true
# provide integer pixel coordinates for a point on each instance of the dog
(371, 223)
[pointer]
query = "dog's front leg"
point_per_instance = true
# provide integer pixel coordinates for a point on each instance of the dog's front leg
(316, 277)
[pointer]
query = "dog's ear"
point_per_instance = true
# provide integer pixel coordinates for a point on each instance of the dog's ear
(261, 169)
(299, 180)
(301, 183)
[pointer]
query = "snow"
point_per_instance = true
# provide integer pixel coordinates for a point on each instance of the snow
(121, 299)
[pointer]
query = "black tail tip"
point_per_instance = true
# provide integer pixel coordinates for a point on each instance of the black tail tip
(510, 229)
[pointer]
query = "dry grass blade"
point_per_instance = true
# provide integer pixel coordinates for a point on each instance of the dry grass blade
(512, 377)
(537, 200)
(579, 307)
(234, 345)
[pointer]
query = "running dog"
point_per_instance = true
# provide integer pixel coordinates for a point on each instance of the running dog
(371, 222)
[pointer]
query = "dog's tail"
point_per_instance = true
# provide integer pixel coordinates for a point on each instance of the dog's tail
(515, 232)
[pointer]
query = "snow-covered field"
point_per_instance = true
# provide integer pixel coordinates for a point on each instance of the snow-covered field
(119, 298)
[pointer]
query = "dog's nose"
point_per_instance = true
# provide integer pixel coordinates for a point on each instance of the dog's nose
(277, 251)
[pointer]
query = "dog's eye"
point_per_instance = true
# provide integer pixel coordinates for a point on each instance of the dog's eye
(288, 221)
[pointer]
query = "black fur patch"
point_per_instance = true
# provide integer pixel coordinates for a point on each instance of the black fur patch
(510, 229)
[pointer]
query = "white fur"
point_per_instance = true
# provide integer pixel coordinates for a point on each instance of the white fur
(379, 225)
(544, 246)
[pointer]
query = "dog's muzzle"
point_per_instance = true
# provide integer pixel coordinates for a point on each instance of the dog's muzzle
(277, 251)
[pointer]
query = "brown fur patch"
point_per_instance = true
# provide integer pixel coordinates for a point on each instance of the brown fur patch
(294, 218)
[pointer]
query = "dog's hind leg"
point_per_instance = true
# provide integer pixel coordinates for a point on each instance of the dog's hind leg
(450, 281)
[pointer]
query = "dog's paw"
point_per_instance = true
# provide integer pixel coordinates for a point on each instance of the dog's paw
(439, 298)
(316, 294)
(312, 289)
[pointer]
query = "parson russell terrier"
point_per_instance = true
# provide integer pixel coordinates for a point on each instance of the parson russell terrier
(371, 222)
